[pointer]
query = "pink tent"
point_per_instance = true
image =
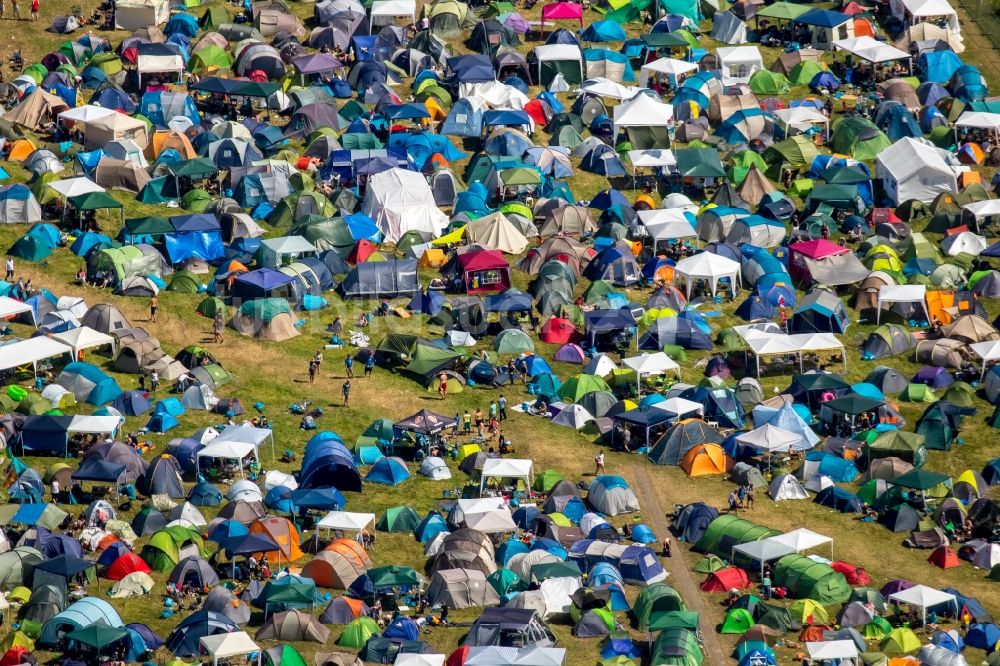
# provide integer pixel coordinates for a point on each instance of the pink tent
(558, 11)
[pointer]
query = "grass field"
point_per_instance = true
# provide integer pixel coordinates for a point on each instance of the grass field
(276, 375)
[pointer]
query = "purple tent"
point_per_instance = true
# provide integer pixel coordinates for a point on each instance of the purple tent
(316, 63)
(261, 283)
(933, 377)
(571, 353)
(894, 586)
(517, 23)
(195, 222)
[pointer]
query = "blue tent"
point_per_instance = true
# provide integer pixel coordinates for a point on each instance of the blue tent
(111, 97)
(674, 331)
(604, 31)
(185, 639)
(983, 636)
(182, 23)
(605, 575)
(87, 241)
(319, 499)
(82, 613)
(205, 494)
(509, 549)
(326, 463)
(426, 302)
(615, 264)
(390, 471)
(835, 467)
(968, 84)
(45, 433)
(464, 119)
(160, 107)
(938, 66)
(473, 68)
(604, 161)
(402, 628)
(88, 383)
(432, 525)
(226, 530)
(160, 423)
(839, 499)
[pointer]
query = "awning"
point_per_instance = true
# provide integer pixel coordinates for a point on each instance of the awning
(10, 307)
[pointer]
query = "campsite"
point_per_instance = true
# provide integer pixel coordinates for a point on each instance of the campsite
(502, 334)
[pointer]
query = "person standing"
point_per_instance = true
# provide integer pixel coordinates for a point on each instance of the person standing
(55, 490)
(17, 9)
(493, 410)
(318, 359)
(217, 326)
(154, 380)
(467, 421)
(313, 367)
(599, 463)
(9, 264)
(369, 365)
(346, 389)
(502, 407)
(154, 305)
(35, 5)
(443, 385)
(349, 366)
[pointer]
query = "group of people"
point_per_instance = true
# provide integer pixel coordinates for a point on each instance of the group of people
(741, 497)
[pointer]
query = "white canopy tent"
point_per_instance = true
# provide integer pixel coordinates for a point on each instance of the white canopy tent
(872, 50)
(157, 64)
(247, 434)
(918, 11)
(800, 119)
(982, 210)
(238, 451)
(833, 652)
(410, 659)
(84, 114)
(762, 552)
(709, 267)
(492, 655)
(666, 224)
(902, 293)
(801, 540)
(669, 66)
(346, 521)
(988, 351)
(507, 468)
(85, 337)
(642, 111)
(603, 87)
(11, 307)
(95, 425)
(680, 407)
(33, 350)
(229, 645)
(979, 120)
(772, 342)
(72, 187)
(738, 63)
(657, 363)
(385, 12)
(923, 597)
(651, 158)
(769, 438)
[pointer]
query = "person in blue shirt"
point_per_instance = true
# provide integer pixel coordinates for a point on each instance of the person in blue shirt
(369, 365)
(349, 366)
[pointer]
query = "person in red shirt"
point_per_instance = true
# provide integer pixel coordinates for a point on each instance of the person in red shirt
(34, 10)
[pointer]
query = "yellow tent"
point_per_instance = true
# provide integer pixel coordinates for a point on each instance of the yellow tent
(467, 450)
(432, 258)
(451, 238)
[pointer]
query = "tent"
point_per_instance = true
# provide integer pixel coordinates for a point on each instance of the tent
(911, 169)
(400, 201)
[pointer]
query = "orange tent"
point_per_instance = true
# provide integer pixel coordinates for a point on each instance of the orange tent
(169, 139)
(863, 28)
(938, 305)
(432, 258)
(967, 178)
(352, 549)
(705, 460)
(20, 149)
(435, 109)
(283, 532)
(943, 557)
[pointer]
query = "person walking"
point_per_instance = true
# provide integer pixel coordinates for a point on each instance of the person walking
(313, 367)
(502, 407)
(467, 422)
(443, 385)
(154, 305)
(9, 264)
(17, 9)
(493, 410)
(349, 366)
(35, 5)
(154, 380)
(346, 390)
(369, 365)
(217, 325)
(748, 500)
(599, 463)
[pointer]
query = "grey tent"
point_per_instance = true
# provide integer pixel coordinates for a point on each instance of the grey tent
(461, 588)
(728, 28)
(162, 477)
(221, 600)
(387, 279)
(592, 624)
(681, 438)
(747, 475)
(509, 627)
(195, 571)
(888, 380)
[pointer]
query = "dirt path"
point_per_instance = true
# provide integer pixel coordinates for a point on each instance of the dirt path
(680, 577)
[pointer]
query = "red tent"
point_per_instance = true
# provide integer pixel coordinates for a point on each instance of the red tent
(557, 331)
(539, 112)
(484, 270)
(13, 656)
(559, 11)
(854, 575)
(458, 657)
(364, 249)
(726, 579)
(124, 565)
(943, 557)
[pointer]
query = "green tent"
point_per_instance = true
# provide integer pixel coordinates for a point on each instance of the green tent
(506, 582)
(378, 432)
(94, 201)
(729, 530)
(918, 393)
(357, 633)
(398, 519)
(265, 309)
(158, 191)
(209, 56)
(198, 168)
(97, 635)
(219, 375)
(360, 141)
(546, 480)
(393, 575)
(161, 553)
(147, 226)
(859, 138)
(184, 282)
(30, 248)
(699, 163)
(737, 621)
(299, 205)
(902, 640)
(513, 341)
(213, 17)
(676, 620)
(938, 429)
(878, 629)
(960, 394)
(908, 446)
(798, 152)
(653, 601)
(741, 163)
(210, 306)
(783, 11)
(196, 201)
(677, 647)
(994, 574)
(766, 82)
(709, 564)
(804, 72)
(283, 655)
(806, 578)
(922, 480)
(580, 385)
(33, 404)
(427, 360)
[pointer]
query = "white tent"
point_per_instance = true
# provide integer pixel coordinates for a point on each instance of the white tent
(85, 337)
(400, 201)
(573, 416)
(669, 66)
(601, 365)
(507, 468)
(681, 407)
(275, 251)
(497, 521)
(738, 63)
(922, 597)
(657, 363)
(709, 267)
(84, 114)
(769, 438)
(870, 49)
(346, 521)
(902, 293)
(799, 119)
(981, 210)
(118, 126)
(786, 487)
(774, 343)
(642, 111)
(31, 351)
(833, 652)
(665, 224)
(247, 434)
(918, 11)
(135, 14)
(603, 87)
(228, 645)
(558, 53)
(410, 659)
(801, 540)
(72, 187)
(238, 451)
(94, 425)
(10, 307)
(489, 655)
(762, 551)
(652, 158)
(936, 655)
(988, 351)
(964, 242)
(385, 12)
(979, 120)
(912, 169)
